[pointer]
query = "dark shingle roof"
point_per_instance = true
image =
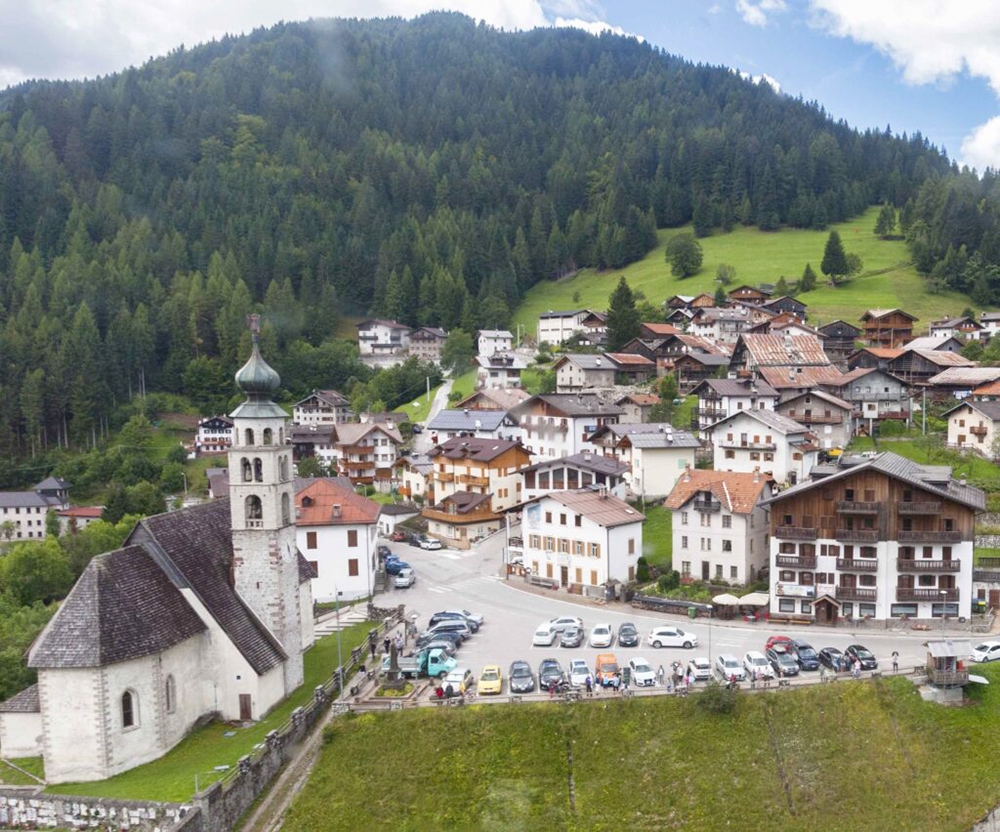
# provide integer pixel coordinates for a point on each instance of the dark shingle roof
(468, 420)
(574, 404)
(122, 607)
(25, 702)
(586, 461)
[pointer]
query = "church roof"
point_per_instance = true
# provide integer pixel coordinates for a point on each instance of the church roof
(25, 702)
(122, 607)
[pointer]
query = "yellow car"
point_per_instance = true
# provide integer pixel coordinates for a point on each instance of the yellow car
(491, 679)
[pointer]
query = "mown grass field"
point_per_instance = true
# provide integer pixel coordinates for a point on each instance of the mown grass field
(172, 777)
(888, 278)
(850, 756)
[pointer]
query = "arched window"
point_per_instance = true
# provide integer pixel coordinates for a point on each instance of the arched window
(258, 470)
(254, 509)
(281, 436)
(247, 475)
(130, 709)
(286, 516)
(283, 468)
(249, 436)
(171, 695)
(267, 436)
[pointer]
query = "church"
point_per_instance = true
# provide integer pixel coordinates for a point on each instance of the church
(203, 611)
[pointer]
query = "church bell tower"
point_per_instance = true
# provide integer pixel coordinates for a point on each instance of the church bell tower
(262, 502)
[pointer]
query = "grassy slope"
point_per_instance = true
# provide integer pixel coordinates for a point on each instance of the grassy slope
(657, 537)
(762, 257)
(172, 777)
(837, 757)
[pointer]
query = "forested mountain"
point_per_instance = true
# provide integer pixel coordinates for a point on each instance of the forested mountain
(429, 171)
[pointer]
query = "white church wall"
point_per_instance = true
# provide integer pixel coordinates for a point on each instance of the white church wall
(20, 734)
(73, 701)
(306, 615)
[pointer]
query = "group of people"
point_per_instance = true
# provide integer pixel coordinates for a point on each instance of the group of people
(387, 643)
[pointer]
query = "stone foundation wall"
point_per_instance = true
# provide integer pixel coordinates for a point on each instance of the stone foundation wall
(21, 809)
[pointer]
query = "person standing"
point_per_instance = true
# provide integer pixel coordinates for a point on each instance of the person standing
(399, 644)
(895, 661)
(386, 643)
(371, 644)
(660, 674)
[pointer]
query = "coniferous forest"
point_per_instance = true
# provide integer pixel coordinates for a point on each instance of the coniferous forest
(429, 171)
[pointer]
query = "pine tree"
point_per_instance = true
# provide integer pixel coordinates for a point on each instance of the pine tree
(808, 280)
(623, 317)
(834, 263)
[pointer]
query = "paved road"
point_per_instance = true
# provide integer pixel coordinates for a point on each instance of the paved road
(422, 441)
(449, 579)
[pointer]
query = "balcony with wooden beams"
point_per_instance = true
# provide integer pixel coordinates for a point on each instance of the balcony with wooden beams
(979, 430)
(469, 479)
(858, 535)
(856, 593)
(857, 507)
(795, 533)
(926, 593)
(927, 565)
(857, 564)
(795, 561)
(922, 507)
(918, 536)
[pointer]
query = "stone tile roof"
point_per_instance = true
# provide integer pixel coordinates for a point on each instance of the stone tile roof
(945, 359)
(965, 376)
(470, 420)
(737, 387)
(572, 404)
(991, 410)
(662, 329)
(604, 509)
(738, 493)
(822, 396)
(586, 461)
(784, 350)
(350, 433)
(641, 399)
(25, 702)
(785, 378)
(477, 449)
(875, 314)
(502, 399)
(624, 359)
(123, 607)
(195, 547)
(465, 502)
(323, 503)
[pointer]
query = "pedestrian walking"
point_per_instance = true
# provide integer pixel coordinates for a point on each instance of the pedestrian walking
(822, 673)
(588, 683)
(895, 661)
(371, 645)
(399, 644)
(857, 669)
(386, 643)
(660, 674)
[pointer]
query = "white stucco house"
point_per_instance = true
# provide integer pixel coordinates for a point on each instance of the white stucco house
(321, 407)
(499, 371)
(655, 454)
(975, 425)
(380, 337)
(23, 513)
(556, 327)
(214, 435)
(763, 440)
(492, 341)
(555, 425)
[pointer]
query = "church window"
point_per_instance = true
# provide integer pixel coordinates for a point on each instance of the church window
(249, 436)
(171, 695)
(267, 436)
(286, 515)
(283, 468)
(253, 508)
(281, 436)
(247, 475)
(258, 470)
(130, 709)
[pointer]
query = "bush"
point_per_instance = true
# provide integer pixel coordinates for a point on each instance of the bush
(669, 580)
(642, 570)
(717, 699)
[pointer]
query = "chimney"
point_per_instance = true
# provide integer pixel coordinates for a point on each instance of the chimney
(598, 361)
(756, 473)
(587, 456)
(687, 472)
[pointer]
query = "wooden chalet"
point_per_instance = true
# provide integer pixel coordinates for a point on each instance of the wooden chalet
(887, 327)
(786, 304)
(840, 339)
(750, 295)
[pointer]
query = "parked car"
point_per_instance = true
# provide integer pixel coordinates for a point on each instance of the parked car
(549, 671)
(988, 651)
(399, 536)
(773, 640)
(672, 637)
(520, 678)
(756, 664)
(832, 658)
(578, 672)
(802, 651)
(607, 668)
(571, 637)
(728, 666)
(383, 552)
(628, 635)
(460, 679)
(415, 428)
(602, 635)
(430, 543)
(449, 646)
(862, 654)
(564, 621)
(427, 639)
(405, 578)
(452, 626)
(545, 635)
(642, 674)
(472, 616)
(700, 668)
(490, 680)
(394, 566)
(454, 615)
(782, 662)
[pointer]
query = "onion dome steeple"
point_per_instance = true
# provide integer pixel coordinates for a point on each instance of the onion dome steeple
(259, 380)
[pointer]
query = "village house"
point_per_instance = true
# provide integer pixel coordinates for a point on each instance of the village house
(839, 341)
(478, 466)
(488, 398)
(754, 352)
(75, 518)
(831, 419)
(492, 341)
(960, 382)
(689, 301)
(872, 358)
(989, 392)
(594, 329)
(694, 367)
(581, 539)
(631, 369)
(761, 439)
(214, 436)
(483, 424)
(887, 327)
(499, 371)
(652, 331)
(636, 406)
(555, 425)
(666, 350)
(720, 525)
(722, 397)
(726, 324)
(321, 407)
(315, 440)
(336, 531)
(462, 518)
(416, 471)
(574, 472)
(378, 337)
(990, 323)
(919, 366)
(875, 395)
(963, 327)
(557, 327)
(947, 343)
(787, 305)
(582, 371)
(655, 454)
(877, 538)
(23, 513)
(366, 453)
(392, 515)
(426, 343)
(750, 295)
(975, 425)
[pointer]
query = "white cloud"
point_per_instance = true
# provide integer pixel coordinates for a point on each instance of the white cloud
(981, 148)
(595, 27)
(756, 79)
(756, 13)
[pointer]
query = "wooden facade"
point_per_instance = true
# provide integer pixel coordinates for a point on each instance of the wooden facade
(887, 327)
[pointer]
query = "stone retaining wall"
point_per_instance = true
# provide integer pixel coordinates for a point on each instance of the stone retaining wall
(23, 809)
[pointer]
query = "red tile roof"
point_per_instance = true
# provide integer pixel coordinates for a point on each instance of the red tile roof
(316, 505)
(738, 493)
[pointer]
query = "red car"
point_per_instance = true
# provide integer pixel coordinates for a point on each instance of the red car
(398, 536)
(784, 641)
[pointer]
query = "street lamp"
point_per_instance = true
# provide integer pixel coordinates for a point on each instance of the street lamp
(340, 658)
(944, 606)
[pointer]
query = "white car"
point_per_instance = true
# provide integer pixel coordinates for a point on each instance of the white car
(755, 662)
(578, 673)
(430, 543)
(642, 674)
(460, 679)
(700, 668)
(602, 635)
(545, 635)
(564, 621)
(727, 666)
(671, 637)
(988, 651)
(406, 577)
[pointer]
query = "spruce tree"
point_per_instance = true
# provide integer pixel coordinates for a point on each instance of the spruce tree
(834, 263)
(623, 317)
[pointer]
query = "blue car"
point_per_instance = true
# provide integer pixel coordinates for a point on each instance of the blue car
(394, 566)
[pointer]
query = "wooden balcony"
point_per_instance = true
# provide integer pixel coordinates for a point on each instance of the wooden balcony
(750, 446)
(916, 536)
(856, 507)
(979, 430)
(925, 593)
(947, 677)
(927, 507)
(856, 593)
(858, 535)
(364, 465)
(469, 479)
(857, 564)
(795, 561)
(708, 506)
(922, 565)
(795, 533)
(815, 418)
(444, 476)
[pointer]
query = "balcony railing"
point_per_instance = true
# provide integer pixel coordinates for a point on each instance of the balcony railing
(796, 561)
(856, 507)
(752, 446)
(364, 465)
(978, 430)
(916, 536)
(922, 565)
(858, 535)
(707, 505)
(815, 418)
(913, 593)
(926, 507)
(444, 476)
(856, 593)
(469, 479)
(857, 565)
(795, 533)
(947, 677)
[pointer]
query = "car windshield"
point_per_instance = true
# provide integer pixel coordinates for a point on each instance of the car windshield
(731, 663)
(703, 663)
(983, 648)
(862, 653)
(609, 667)
(490, 675)
(627, 629)
(601, 630)
(758, 660)
(808, 652)
(520, 671)
(642, 668)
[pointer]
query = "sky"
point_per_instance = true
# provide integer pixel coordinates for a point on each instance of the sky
(931, 66)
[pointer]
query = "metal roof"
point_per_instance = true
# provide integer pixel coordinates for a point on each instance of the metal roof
(470, 420)
(949, 648)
